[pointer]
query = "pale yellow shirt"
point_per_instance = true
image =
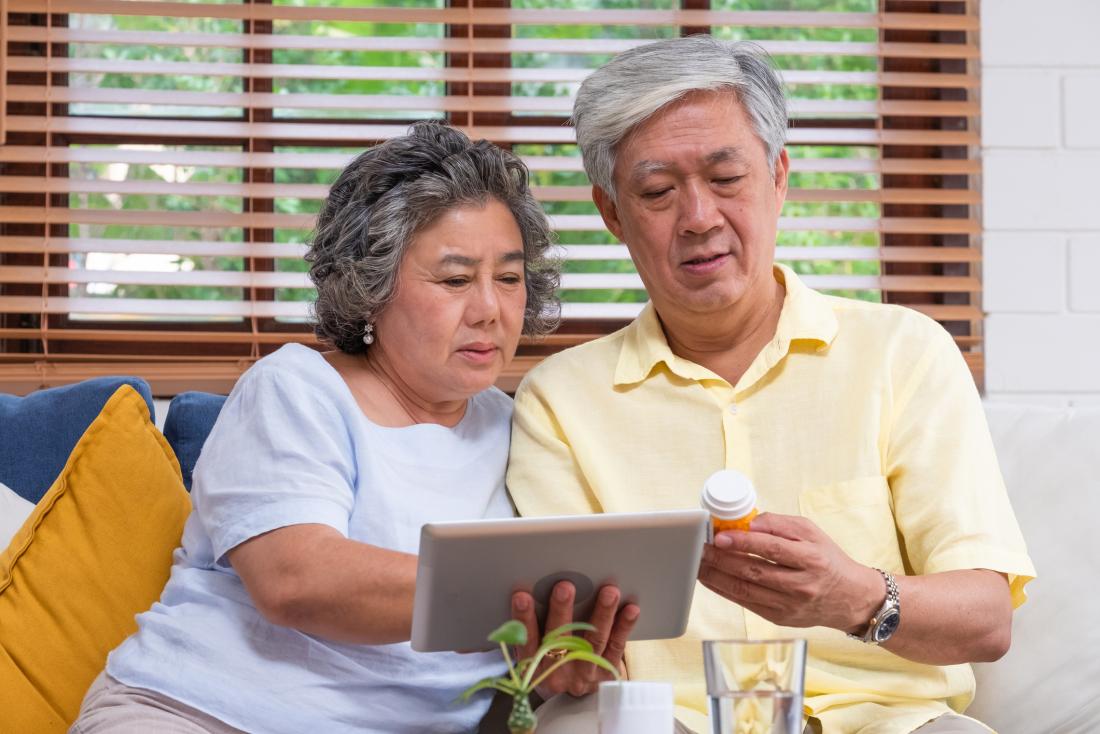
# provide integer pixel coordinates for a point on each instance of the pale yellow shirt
(862, 417)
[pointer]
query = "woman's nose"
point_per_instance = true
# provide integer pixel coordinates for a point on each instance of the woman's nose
(484, 304)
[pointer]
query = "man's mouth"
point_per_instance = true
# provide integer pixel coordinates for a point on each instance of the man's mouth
(703, 260)
(706, 265)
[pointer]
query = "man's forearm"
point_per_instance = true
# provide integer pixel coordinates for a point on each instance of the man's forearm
(951, 617)
(788, 571)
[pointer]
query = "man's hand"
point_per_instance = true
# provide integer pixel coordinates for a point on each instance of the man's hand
(608, 639)
(788, 571)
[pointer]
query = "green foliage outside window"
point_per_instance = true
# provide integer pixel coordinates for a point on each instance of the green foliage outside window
(294, 239)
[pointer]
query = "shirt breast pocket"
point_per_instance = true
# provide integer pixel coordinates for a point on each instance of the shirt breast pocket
(858, 515)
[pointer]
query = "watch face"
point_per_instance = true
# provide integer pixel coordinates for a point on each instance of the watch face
(887, 626)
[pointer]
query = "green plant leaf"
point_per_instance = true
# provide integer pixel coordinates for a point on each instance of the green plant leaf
(566, 629)
(569, 644)
(510, 633)
(597, 660)
(523, 665)
(585, 657)
(503, 684)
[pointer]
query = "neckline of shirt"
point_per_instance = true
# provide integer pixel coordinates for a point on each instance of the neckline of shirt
(333, 375)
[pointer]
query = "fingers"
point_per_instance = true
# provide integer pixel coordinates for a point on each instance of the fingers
(744, 580)
(748, 594)
(777, 550)
(586, 676)
(612, 629)
(791, 527)
(603, 616)
(749, 567)
(625, 621)
(772, 614)
(560, 612)
(523, 611)
(561, 605)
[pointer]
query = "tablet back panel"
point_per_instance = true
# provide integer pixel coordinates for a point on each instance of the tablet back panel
(468, 571)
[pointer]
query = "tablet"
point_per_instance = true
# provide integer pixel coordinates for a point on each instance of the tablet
(467, 571)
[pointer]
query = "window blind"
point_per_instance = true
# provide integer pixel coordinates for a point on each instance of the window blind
(163, 161)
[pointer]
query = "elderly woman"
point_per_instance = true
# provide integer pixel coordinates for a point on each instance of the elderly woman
(290, 602)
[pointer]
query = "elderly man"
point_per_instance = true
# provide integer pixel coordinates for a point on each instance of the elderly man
(858, 423)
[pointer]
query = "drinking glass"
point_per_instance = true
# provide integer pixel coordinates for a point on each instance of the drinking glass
(755, 686)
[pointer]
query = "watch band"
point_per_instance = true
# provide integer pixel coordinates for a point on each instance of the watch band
(891, 588)
(891, 607)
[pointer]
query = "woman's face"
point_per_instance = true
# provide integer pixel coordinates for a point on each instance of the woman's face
(457, 314)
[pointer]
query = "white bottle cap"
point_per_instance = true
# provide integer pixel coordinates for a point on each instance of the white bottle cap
(636, 707)
(728, 495)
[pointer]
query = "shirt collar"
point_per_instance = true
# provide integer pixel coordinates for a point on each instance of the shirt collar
(806, 316)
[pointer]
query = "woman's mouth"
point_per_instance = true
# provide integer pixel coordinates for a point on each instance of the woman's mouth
(479, 353)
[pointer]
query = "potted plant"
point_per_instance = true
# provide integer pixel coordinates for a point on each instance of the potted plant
(520, 680)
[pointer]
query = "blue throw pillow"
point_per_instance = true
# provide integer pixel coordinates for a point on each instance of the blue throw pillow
(190, 417)
(39, 431)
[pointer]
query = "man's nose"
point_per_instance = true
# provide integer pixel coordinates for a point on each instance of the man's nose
(699, 211)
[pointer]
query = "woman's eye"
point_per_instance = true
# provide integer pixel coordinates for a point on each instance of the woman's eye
(456, 282)
(511, 279)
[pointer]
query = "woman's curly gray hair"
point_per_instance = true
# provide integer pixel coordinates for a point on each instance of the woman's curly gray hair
(391, 192)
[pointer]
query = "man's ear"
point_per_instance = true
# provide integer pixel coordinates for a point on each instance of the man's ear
(609, 211)
(782, 173)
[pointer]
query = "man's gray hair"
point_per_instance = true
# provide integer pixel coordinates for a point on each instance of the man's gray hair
(636, 84)
(386, 196)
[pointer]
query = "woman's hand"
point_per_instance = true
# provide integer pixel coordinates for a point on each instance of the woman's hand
(608, 639)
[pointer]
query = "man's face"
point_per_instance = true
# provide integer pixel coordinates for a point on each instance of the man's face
(697, 205)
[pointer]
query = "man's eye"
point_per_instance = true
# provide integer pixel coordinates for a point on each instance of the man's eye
(655, 194)
(727, 181)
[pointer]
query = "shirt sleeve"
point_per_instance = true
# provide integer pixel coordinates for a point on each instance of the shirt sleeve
(950, 502)
(543, 475)
(280, 454)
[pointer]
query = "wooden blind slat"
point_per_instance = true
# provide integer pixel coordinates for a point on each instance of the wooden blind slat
(335, 161)
(563, 222)
(62, 245)
(569, 281)
(570, 252)
(544, 193)
(432, 73)
(462, 45)
(562, 105)
(291, 131)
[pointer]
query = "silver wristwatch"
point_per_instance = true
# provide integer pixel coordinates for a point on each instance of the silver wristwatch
(884, 623)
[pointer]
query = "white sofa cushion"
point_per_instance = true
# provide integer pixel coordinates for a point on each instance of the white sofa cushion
(1049, 682)
(13, 511)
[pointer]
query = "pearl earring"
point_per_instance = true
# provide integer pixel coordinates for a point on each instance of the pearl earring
(368, 335)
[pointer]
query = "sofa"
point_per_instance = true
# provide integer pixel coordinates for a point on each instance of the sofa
(1049, 683)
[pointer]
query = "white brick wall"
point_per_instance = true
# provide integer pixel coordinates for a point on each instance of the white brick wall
(1041, 150)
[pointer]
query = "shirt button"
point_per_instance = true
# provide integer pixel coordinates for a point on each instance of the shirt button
(732, 409)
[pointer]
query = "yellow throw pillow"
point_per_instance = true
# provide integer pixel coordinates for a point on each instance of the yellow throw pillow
(96, 551)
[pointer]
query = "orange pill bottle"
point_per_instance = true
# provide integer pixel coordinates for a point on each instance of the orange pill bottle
(730, 498)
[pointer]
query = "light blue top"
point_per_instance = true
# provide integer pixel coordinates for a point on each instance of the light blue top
(292, 446)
